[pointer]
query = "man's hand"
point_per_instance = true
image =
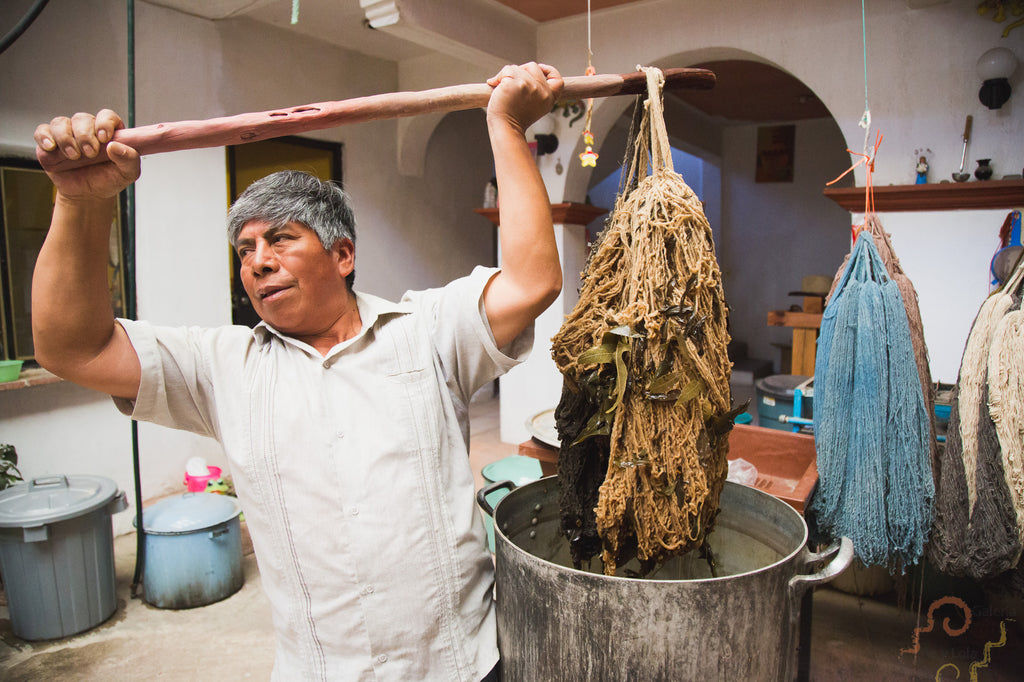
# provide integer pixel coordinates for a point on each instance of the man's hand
(82, 136)
(522, 94)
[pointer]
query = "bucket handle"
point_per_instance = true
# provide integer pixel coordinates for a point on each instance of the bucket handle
(481, 495)
(59, 479)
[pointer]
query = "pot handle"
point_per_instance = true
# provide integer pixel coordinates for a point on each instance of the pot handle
(840, 553)
(481, 495)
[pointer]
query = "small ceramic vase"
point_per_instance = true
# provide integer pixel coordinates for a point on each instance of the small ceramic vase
(983, 171)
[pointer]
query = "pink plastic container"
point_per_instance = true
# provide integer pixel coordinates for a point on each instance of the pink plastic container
(197, 484)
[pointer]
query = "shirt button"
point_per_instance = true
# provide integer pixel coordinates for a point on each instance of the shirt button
(340, 434)
(327, 364)
(383, 658)
(368, 589)
(354, 511)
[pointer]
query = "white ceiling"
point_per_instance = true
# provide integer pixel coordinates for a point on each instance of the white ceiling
(339, 22)
(344, 23)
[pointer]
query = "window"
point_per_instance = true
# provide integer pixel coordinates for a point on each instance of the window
(26, 206)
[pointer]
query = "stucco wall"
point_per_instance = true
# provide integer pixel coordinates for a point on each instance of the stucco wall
(73, 59)
(921, 85)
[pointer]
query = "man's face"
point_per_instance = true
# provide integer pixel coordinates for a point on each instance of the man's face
(295, 285)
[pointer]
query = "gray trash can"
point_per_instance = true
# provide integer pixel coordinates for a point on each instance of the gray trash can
(57, 554)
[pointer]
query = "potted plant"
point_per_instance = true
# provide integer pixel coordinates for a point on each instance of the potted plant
(9, 474)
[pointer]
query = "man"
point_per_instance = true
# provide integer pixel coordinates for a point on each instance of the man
(343, 416)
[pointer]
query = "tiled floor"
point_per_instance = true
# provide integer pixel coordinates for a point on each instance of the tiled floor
(854, 636)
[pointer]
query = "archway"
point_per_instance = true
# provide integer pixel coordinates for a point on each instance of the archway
(770, 232)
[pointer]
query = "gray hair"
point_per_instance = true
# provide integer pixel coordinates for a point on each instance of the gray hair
(294, 196)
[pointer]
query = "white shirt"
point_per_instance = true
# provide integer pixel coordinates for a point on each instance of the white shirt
(353, 473)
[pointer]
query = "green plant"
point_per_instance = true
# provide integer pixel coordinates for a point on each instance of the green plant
(9, 474)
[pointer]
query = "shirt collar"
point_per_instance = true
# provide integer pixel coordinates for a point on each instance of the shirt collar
(371, 311)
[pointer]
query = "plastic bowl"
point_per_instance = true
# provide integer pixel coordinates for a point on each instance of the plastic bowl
(197, 484)
(10, 369)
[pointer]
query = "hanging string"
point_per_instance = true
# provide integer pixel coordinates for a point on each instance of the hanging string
(295, 12)
(589, 156)
(865, 120)
(868, 154)
(867, 158)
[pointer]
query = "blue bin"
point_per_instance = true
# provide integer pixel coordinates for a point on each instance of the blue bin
(776, 397)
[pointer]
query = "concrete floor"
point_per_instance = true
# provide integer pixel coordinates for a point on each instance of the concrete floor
(854, 637)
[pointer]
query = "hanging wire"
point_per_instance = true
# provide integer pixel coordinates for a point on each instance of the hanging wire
(22, 25)
(865, 121)
(589, 156)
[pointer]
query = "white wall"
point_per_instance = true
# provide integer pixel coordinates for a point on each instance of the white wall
(73, 59)
(773, 234)
(946, 254)
(921, 84)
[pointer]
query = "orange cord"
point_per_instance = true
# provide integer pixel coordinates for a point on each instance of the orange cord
(869, 189)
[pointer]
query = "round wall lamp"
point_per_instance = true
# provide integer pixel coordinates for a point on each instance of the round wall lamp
(995, 68)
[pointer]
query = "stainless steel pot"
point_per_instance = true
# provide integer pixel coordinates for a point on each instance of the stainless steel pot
(193, 550)
(680, 623)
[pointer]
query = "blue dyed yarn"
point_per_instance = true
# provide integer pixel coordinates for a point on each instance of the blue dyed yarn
(871, 426)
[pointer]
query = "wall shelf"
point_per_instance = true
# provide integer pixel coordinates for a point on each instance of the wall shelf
(561, 214)
(31, 376)
(942, 196)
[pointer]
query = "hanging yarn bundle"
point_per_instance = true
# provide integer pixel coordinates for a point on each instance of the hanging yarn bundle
(883, 242)
(645, 410)
(979, 520)
(872, 429)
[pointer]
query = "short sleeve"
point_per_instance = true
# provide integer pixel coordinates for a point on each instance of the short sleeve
(462, 335)
(175, 388)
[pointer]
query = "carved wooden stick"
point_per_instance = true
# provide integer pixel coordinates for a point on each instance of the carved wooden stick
(241, 128)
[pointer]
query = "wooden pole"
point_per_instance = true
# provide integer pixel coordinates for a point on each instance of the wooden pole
(253, 127)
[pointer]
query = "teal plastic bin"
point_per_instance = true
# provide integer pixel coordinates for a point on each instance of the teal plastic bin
(776, 397)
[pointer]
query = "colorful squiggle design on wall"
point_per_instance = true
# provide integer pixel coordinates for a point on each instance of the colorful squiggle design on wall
(952, 632)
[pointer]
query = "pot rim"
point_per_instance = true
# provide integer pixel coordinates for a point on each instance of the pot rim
(505, 540)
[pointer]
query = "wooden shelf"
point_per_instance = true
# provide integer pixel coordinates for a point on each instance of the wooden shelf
(561, 214)
(32, 376)
(942, 196)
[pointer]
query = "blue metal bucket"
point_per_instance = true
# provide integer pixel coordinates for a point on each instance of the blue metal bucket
(193, 550)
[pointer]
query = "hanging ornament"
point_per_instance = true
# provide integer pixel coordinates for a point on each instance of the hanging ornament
(589, 156)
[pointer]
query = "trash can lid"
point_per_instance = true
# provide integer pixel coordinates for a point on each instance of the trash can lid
(49, 499)
(188, 513)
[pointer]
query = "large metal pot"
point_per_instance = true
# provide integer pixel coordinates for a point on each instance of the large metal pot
(680, 623)
(193, 550)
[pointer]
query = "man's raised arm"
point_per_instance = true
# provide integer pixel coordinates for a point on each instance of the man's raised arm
(73, 327)
(531, 276)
